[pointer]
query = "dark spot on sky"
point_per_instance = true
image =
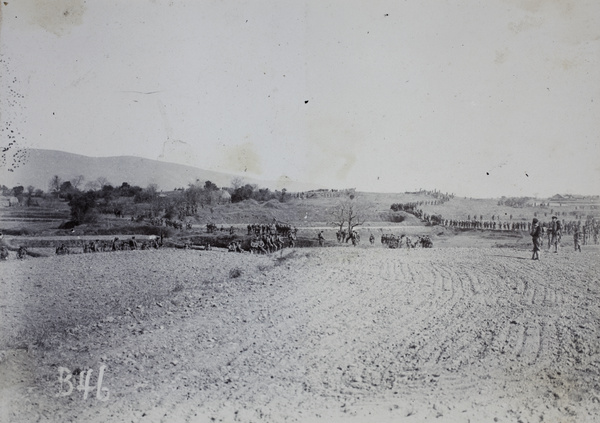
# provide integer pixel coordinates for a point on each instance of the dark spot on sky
(305, 101)
(487, 173)
(387, 14)
(527, 175)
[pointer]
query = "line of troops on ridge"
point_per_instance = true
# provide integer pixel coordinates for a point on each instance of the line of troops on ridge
(588, 228)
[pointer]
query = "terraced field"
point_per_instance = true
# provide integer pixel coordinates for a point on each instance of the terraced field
(34, 218)
(332, 334)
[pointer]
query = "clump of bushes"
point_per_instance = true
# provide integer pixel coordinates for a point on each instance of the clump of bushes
(236, 272)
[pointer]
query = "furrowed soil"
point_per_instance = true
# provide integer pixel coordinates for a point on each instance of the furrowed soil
(315, 334)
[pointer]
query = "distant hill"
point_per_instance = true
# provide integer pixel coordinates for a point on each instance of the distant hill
(41, 165)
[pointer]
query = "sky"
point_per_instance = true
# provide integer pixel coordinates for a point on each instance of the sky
(478, 98)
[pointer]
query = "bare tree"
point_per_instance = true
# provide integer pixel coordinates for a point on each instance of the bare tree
(237, 182)
(102, 181)
(92, 185)
(55, 184)
(349, 212)
(339, 215)
(77, 181)
(30, 191)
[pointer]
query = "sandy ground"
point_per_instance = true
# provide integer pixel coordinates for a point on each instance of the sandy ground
(331, 334)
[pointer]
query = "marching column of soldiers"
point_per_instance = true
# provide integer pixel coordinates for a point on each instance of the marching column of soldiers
(115, 244)
(589, 228)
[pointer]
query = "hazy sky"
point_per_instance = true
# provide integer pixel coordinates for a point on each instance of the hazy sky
(480, 98)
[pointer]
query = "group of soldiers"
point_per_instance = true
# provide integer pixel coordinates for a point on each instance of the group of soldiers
(589, 228)
(486, 224)
(582, 234)
(97, 245)
(21, 252)
(394, 241)
(345, 236)
(278, 228)
(265, 243)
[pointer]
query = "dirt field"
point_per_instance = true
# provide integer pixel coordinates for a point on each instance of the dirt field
(331, 334)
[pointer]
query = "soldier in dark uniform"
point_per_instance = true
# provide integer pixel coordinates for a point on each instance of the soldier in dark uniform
(321, 239)
(22, 253)
(3, 252)
(577, 235)
(536, 238)
(555, 232)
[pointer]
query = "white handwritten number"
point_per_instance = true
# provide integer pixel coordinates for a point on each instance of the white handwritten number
(67, 376)
(99, 386)
(84, 383)
(85, 388)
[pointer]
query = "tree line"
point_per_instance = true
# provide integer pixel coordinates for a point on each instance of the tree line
(87, 201)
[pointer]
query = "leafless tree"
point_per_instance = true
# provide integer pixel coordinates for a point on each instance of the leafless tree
(102, 181)
(349, 212)
(92, 185)
(339, 215)
(77, 181)
(237, 182)
(55, 184)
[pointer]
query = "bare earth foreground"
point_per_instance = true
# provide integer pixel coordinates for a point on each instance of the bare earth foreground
(332, 334)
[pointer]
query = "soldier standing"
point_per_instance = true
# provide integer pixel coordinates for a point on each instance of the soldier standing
(577, 235)
(321, 239)
(536, 235)
(556, 231)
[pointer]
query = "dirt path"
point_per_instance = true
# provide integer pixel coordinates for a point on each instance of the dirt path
(335, 334)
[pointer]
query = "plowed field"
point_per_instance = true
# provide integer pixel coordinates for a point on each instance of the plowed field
(332, 334)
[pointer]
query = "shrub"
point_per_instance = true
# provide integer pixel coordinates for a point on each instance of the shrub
(236, 272)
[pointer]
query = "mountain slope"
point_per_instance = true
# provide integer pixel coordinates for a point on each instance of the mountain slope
(41, 165)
